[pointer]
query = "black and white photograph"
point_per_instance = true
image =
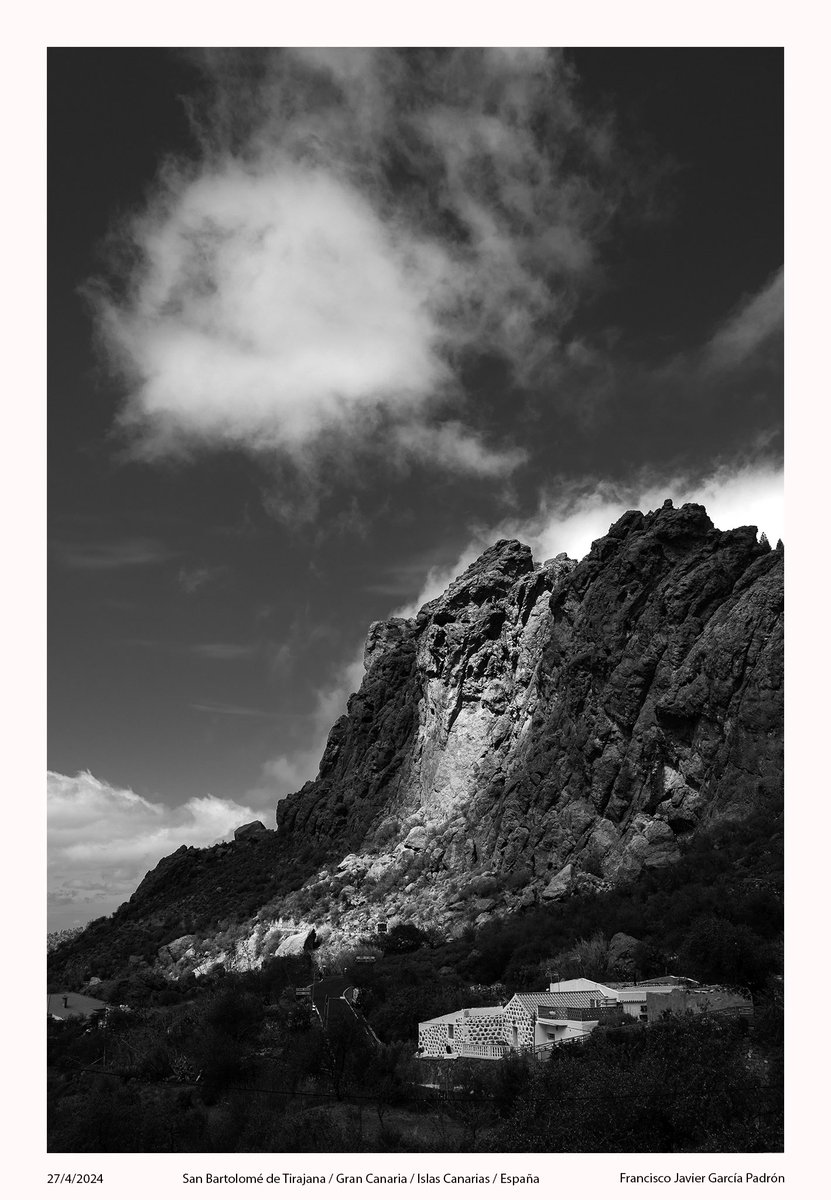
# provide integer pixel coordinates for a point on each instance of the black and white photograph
(415, 607)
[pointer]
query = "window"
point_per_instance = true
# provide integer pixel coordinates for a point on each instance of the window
(450, 1029)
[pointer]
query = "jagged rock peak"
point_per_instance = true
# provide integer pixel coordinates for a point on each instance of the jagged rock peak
(486, 580)
(566, 725)
(493, 573)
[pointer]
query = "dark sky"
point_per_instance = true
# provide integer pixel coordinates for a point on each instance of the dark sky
(374, 311)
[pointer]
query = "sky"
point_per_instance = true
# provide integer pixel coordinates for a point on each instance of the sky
(325, 324)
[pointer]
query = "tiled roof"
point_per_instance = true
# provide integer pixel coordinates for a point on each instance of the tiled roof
(531, 1001)
(571, 999)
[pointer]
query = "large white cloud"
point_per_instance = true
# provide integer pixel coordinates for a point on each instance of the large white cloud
(102, 839)
(274, 304)
(354, 224)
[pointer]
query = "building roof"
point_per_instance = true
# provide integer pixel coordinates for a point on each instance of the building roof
(581, 984)
(76, 1005)
(633, 993)
(573, 999)
(531, 1001)
(460, 1014)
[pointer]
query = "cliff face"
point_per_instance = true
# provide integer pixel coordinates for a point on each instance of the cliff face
(535, 731)
(555, 727)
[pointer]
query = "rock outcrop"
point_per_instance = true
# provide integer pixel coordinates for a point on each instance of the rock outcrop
(254, 829)
(560, 726)
(538, 730)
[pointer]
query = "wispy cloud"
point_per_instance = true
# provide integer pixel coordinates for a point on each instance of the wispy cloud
(233, 710)
(103, 838)
(756, 323)
(211, 651)
(224, 651)
(115, 555)
(194, 579)
(356, 225)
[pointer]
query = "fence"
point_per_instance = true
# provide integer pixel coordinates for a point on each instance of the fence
(483, 1049)
(562, 1012)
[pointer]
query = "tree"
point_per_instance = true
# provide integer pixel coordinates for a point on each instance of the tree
(403, 938)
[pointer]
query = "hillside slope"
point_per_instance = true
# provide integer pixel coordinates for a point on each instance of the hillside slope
(537, 731)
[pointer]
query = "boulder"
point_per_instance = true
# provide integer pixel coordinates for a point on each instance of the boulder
(560, 885)
(254, 829)
(297, 943)
(179, 947)
(416, 839)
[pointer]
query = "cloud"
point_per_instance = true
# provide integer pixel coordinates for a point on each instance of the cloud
(756, 323)
(734, 494)
(233, 710)
(355, 225)
(194, 579)
(102, 839)
(224, 651)
(572, 517)
(113, 555)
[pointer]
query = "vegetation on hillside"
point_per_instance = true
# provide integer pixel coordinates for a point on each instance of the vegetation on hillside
(228, 1062)
(243, 1066)
(718, 910)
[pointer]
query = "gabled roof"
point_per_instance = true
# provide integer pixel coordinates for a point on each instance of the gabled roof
(581, 984)
(531, 1001)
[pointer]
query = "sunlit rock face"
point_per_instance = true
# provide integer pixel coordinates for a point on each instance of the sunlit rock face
(554, 727)
(538, 730)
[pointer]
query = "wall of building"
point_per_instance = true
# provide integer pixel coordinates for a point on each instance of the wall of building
(481, 1027)
(469, 1028)
(517, 1015)
(432, 1038)
(567, 1031)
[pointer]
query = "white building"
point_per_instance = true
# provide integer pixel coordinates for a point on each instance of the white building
(531, 1022)
(534, 1022)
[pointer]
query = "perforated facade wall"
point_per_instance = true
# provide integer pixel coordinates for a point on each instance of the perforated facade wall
(516, 1014)
(467, 1026)
(434, 1037)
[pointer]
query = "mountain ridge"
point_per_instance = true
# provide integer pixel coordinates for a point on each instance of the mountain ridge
(537, 731)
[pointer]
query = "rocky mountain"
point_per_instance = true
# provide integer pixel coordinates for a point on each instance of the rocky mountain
(537, 730)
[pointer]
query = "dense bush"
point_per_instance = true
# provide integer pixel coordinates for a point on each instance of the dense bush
(683, 1084)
